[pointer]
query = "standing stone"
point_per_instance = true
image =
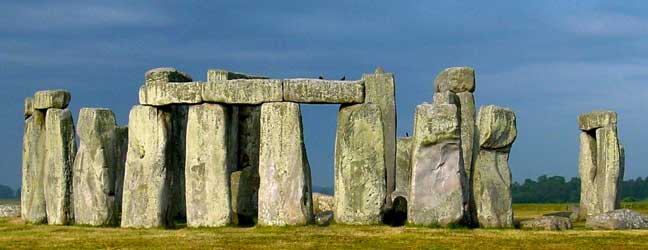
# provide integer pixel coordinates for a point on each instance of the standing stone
(121, 140)
(601, 163)
(96, 168)
(360, 188)
(380, 90)
(207, 175)
(148, 174)
(29, 107)
(32, 197)
(492, 175)
(437, 182)
(285, 196)
(403, 168)
(60, 143)
(244, 195)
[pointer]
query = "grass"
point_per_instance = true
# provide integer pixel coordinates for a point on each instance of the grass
(15, 235)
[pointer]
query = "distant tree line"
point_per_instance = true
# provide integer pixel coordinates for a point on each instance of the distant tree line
(556, 189)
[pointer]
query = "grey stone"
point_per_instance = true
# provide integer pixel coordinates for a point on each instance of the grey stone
(96, 168)
(324, 218)
(9, 211)
(323, 202)
(249, 125)
(214, 75)
(207, 175)
(121, 140)
(32, 198)
(547, 223)
(446, 97)
(245, 195)
(160, 94)
(597, 119)
(29, 107)
(572, 216)
(360, 191)
(60, 143)
(491, 173)
(497, 127)
(165, 75)
(380, 90)
(323, 91)
(468, 146)
(617, 219)
(243, 91)
(147, 198)
(456, 79)
(285, 188)
(403, 168)
(51, 99)
(438, 181)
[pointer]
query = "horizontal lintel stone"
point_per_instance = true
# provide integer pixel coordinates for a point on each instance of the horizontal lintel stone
(47, 99)
(243, 91)
(160, 94)
(305, 90)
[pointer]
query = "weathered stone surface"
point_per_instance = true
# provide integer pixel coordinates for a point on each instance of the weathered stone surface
(121, 140)
(148, 175)
(446, 97)
(403, 168)
(360, 190)
(207, 175)
(214, 75)
(285, 196)
(60, 144)
(380, 90)
(323, 202)
(491, 173)
(323, 91)
(468, 146)
(572, 216)
(324, 218)
(96, 168)
(29, 107)
(547, 223)
(455, 79)
(160, 94)
(243, 91)
(245, 195)
(618, 219)
(601, 163)
(9, 211)
(497, 127)
(51, 99)
(165, 75)
(438, 181)
(249, 125)
(32, 198)
(597, 119)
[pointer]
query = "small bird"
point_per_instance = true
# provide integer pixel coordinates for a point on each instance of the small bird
(406, 134)
(320, 77)
(343, 78)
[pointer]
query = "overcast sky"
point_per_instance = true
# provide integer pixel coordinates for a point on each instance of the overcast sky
(547, 60)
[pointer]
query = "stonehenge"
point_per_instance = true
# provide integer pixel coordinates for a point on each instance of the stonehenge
(600, 164)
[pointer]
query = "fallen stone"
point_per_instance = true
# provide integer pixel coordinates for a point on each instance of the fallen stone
(324, 218)
(456, 79)
(214, 75)
(96, 168)
(403, 168)
(496, 127)
(160, 94)
(29, 107)
(323, 202)
(166, 75)
(207, 175)
(566, 214)
(148, 175)
(547, 223)
(323, 91)
(285, 189)
(32, 198)
(437, 189)
(597, 119)
(245, 195)
(9, 211)
(619, 219)
(360, 193)
(60, 144)
(51, 99)
(243, 91)
(380, 90)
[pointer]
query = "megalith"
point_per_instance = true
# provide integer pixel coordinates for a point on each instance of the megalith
(437, 181)
(244, 195)
(600, 164)
(461, 81)
(285, 194)
(360, 181)
(60, 145)
(380, 90)
(207, 170)
(403, 168)
(32, 198)
(497, 131)
(147, 198)
(97, 168)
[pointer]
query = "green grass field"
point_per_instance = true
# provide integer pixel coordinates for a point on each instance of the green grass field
(15, 235)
